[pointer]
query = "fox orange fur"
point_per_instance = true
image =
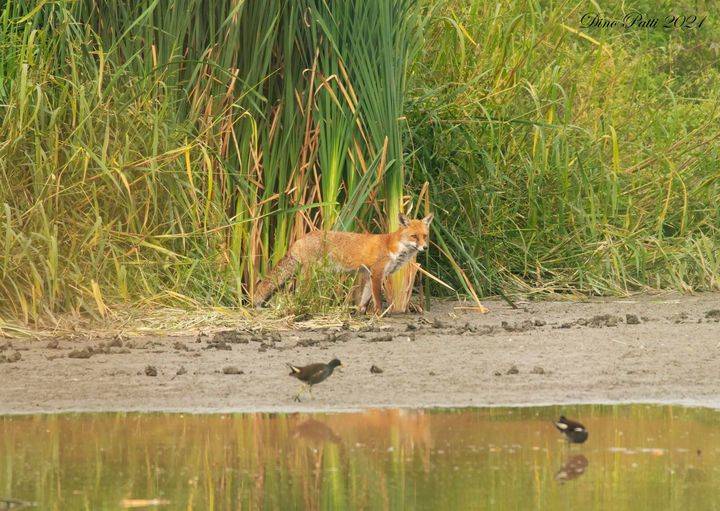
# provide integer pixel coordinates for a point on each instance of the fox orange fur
(378, 255)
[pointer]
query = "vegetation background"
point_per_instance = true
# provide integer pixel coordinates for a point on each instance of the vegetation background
(166, 152)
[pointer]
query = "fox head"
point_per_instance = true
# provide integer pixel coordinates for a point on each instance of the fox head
(415, 234)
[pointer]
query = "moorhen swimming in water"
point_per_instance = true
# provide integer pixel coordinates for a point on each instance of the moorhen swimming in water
(313, 374)
(573, 430)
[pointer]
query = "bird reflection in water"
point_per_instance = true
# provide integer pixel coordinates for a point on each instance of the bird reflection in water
(316, 441)
(573, 468)
(315, 432)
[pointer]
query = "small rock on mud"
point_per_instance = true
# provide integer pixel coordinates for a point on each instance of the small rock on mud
(230, 336)
(83, 353)
(221, 345)
(306, 343)
(181, 370)
(465, 328)
(381, 338)
(517, 327)
(232, 370)
(267, 338)
(680, 317)
(53, 345)
(537, 370)
(484, 329)
(151, 371)
(338, 337)
(632, 319)
(713, 314)
(513, 370)
(11, 357)
(180, 346)
(149, 345)
(375, 369)
(603, 320)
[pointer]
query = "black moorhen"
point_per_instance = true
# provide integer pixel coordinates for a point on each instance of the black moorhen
(313, 374)
(573, 430)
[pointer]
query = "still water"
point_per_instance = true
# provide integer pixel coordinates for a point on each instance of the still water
(638, 457)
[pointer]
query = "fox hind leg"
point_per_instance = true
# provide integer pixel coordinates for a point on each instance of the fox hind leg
(376, 283)
(366, 295)
(279, 275)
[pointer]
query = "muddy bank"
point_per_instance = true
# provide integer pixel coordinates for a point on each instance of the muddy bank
(649, 348)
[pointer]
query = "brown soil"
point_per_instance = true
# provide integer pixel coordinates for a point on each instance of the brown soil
(645, 349)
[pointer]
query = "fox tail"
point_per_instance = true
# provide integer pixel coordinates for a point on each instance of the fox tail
(274, 280)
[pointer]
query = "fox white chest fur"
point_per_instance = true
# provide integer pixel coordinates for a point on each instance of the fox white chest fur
(398, 259)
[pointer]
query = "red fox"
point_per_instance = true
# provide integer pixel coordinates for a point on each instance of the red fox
(378, 255)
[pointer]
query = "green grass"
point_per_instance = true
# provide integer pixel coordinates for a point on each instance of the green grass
(318, 289)
(564, 165)
(168, 152)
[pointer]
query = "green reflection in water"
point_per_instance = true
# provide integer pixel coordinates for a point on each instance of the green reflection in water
(638, 457)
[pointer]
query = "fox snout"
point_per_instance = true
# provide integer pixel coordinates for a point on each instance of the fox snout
(417, 245)
(422, 243)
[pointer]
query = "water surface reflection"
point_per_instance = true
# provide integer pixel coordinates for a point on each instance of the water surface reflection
(638, 457)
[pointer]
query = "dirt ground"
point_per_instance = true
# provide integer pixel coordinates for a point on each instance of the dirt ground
(661, 348)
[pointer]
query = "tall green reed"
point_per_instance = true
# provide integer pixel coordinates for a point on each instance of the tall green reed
(170, 151)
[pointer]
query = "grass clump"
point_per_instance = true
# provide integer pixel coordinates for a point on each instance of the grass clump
(569, 161)
(318, 289)
(167, 153)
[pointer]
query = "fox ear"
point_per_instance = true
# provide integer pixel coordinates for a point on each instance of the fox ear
(404, 221)
(428, 219)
